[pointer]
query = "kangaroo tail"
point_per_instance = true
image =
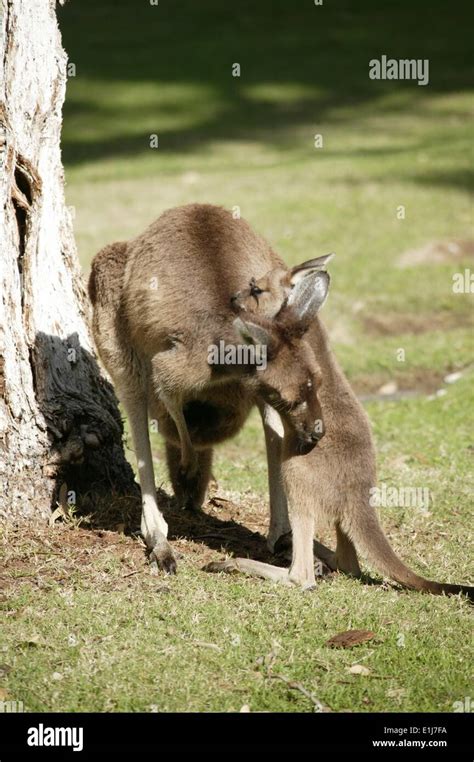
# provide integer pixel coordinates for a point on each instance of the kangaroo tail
(105, 280)
(369, 538)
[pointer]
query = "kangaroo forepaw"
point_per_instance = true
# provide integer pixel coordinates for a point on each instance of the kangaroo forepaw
(188, 473)
(189, 488)
(221, 566)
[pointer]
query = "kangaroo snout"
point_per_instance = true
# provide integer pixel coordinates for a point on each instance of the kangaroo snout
(307, 440)
(317, 435)
(305, 445)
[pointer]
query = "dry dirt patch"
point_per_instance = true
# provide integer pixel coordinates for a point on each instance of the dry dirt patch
(100, 551)
(438, 252)
(395, 323)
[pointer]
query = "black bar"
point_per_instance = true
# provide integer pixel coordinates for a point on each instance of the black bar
(442, 734)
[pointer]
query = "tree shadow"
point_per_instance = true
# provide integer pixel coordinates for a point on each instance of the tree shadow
(300, 63)
(219, 534)
(462, 179)
(223, 535)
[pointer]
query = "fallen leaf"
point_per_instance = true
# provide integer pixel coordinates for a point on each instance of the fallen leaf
(3, 694)
(350, 638)
(57, 676)
(358, 669)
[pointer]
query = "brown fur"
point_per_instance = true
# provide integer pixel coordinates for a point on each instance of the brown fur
(159, 302)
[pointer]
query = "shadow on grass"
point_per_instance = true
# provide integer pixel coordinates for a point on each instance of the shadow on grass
(462, 179)
(299, 63)
(217, 533)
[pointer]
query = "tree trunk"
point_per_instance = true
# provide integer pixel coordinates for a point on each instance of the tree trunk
(60, 428)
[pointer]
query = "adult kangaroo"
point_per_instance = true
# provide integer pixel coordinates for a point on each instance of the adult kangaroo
(335, 481)
(161, 302)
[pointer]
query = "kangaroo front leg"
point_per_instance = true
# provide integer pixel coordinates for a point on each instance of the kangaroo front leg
(279, 521)
(191, 491)
(188, 462)
(153, 526)
(325, 554)
(187, 477)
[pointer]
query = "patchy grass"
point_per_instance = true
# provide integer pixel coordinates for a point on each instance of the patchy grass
(86, 625)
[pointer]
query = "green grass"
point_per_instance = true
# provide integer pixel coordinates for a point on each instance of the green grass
(135, 649)
(123, 639)
(249, 142)
(217, 643)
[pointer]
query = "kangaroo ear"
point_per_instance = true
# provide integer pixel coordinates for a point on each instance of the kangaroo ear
(252, 333)
(308, 296)
(308, 268)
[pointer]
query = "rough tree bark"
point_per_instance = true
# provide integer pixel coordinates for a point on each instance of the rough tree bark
(59, 421)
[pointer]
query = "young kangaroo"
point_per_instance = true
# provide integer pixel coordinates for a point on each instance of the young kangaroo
(335, 480)
(161, 302)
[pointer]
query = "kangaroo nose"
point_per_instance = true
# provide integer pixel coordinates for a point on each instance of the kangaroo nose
(317, 433)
